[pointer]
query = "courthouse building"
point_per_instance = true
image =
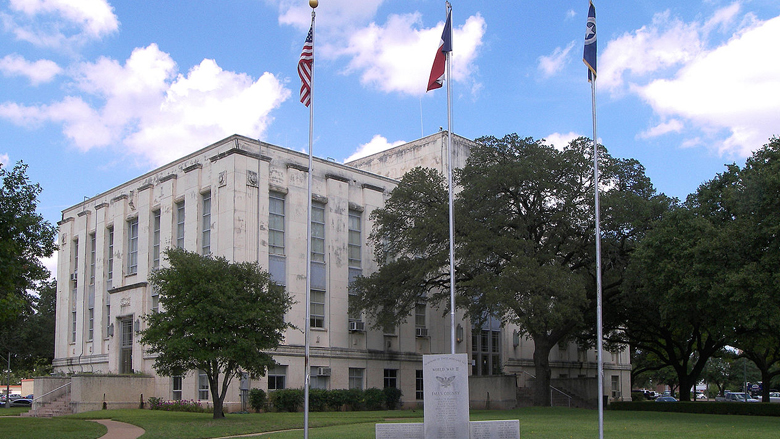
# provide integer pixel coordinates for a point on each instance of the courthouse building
(245, 200)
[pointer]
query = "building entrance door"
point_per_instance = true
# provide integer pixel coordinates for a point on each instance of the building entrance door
(126, 349)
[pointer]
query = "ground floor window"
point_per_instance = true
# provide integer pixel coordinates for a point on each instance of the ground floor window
(355, 378)
(418, 385)
(615, 386)
(391, 378)
(203, 385)
(176, 387)
(320, 377)
(277, 378)
(486, 348)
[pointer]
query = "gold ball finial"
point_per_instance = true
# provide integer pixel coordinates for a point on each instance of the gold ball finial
(313, 3)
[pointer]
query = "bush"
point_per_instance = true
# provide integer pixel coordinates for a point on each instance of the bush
(287, 400)
(177, 405)
(337, 398)
(318, 400)
(702, 407)
(257, 399)
(392, 397)
(374, 399)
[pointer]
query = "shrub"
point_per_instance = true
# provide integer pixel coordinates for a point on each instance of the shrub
(374, 399)
(257, 399)
(392, 397)
(177, 405)
(318, 400)
(287, 400)
(337, 398)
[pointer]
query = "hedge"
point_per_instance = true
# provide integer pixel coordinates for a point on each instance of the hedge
(702, 407)
(291, 400)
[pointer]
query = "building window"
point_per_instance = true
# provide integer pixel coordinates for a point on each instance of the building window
(615, 386)
(317, 232)
(276, 223)
(354, 239)
(110, 264)
(132, 246)
(180, 224)
(156, 239)
(418, 385)
(206, 224)
(355, 378)
(277, 378)
(318, 381)
(155, 296)
(419, 315)
(74, 291)
(91, 327)
(391, 378)
(92, 257)
(176, 386)
(203, 385)
(317, 309)
(486, 349)
(126, 346)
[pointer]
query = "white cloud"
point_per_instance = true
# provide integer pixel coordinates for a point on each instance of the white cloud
(552, 64)
(37, 72)
(4, 159)
(729, 88)
(152, 110)
(672, 126)
(60, 23)
(570, 14)
(340, 13)
(397, 57)
(377, 144)
(51, 263)
(561, 140)
(667, 42)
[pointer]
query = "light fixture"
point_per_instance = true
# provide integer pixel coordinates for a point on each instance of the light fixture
(459, 333)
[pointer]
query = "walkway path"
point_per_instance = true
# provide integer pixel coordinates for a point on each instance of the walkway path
(120, 430)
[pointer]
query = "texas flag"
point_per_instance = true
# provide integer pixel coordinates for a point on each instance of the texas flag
(445, 45)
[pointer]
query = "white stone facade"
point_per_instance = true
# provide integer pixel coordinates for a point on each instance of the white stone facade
(246, 200)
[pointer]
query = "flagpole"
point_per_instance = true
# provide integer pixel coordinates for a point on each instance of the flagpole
(599, 323)
(449, 184)
(307, 323)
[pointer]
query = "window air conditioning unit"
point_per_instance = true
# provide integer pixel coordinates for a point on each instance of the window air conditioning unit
(421, 332)
(357, 326)
(323, 371)
(74, 276)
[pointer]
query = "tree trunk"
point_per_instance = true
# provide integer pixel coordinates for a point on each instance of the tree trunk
(542, 348)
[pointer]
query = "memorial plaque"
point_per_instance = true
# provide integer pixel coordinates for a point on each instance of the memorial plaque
(400, 431)
(494, 429)
(446, 389)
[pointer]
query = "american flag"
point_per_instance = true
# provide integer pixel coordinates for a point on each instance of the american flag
(305, 65)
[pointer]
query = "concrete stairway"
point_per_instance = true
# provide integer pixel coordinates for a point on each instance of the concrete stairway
(58, 407)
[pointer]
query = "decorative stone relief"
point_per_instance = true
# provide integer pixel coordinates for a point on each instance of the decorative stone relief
(222, 179)
(251, 178)
(124, 302)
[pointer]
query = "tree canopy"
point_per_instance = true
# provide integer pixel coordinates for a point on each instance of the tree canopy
(524, 226)
(25, 237)
(215, 316)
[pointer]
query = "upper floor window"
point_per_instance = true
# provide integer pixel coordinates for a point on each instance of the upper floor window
(92, 257)
(132, 246)
(180, 224)
(354, 243)
(156, 239)
(317, 232)
(110, 262)
(205, 248)
(276, 223)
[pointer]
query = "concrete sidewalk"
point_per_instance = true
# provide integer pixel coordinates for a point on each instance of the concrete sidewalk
(120, 430)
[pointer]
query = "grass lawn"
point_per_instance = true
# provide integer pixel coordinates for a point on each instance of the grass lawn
(535, 423)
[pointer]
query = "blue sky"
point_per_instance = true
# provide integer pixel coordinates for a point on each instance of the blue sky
(96, 92)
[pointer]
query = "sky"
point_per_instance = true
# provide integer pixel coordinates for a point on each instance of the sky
(95, 92)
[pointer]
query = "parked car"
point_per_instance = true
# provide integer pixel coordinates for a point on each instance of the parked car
(774, 396)
(736, 397)
(666, 399)
(21, 402)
